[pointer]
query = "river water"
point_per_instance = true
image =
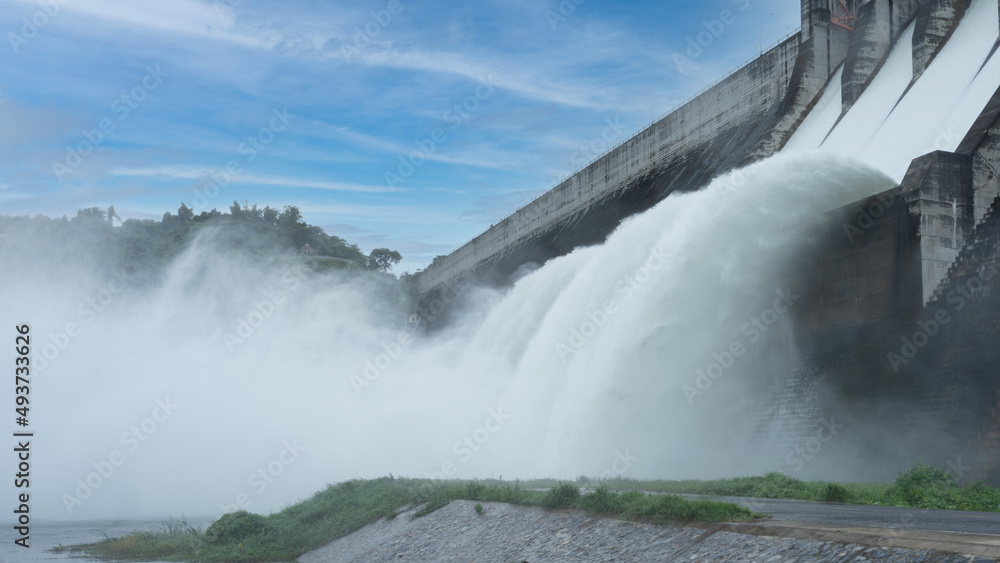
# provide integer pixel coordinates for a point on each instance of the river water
(47, 534)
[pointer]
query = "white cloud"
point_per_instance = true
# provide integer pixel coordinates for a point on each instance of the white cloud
(185, 17)
(195, 173)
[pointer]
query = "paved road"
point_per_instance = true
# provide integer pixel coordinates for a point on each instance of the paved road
(872, 516)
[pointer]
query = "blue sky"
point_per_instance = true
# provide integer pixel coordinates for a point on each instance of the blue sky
(402, 123)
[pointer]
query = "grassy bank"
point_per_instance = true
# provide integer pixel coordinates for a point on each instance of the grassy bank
(343, 508)
(923, 486)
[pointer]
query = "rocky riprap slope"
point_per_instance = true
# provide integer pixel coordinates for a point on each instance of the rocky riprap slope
(505, 533)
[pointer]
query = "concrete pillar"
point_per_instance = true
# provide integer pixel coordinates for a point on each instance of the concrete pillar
(879, 25)
(986, 172)
(982, 142)
(822, 49)
(938, 191)
(936, 22)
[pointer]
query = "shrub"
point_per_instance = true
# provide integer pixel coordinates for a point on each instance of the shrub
(561, 496)
(777, 485)
(236, 526)
(478, 508)
(924, 486)
(924, 475)
(602, 500)
(835, 493)
(474, 490)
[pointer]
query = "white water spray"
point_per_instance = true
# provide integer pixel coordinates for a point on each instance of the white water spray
(589, 365)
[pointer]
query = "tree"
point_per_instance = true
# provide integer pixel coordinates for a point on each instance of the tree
(112, 216)
(383, 259)
(270, 215)
(184, 213)
(90, 215)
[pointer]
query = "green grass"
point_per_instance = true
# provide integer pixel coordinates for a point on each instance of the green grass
(923, 486)
(340, 509)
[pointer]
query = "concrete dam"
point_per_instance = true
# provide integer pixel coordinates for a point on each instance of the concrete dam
(899, 317)
(747, 116)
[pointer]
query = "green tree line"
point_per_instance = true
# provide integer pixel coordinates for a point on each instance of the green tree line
(93, 235)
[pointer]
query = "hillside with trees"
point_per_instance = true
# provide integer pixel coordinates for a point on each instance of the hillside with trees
(94, 236)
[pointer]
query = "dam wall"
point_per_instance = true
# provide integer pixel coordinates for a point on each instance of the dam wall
(879, 24)
(936, 22)
(905, 382)
(898, 325)
(730, 107)
(746, 116)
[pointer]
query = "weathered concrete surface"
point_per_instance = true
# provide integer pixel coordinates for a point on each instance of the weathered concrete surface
(955, 379)
(822, 49)
(940, 195)
(505, 533)
(703, 138)
(868, 271)
(906, 382)
(983, 143)
(974, 545)
(747, 116)
(936, 22)
(880, 23)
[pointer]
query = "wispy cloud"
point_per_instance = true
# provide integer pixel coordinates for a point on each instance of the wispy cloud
(480, 156)
(231, 63)
(196, 173)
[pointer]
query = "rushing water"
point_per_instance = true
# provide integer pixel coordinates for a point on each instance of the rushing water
(642, 357)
